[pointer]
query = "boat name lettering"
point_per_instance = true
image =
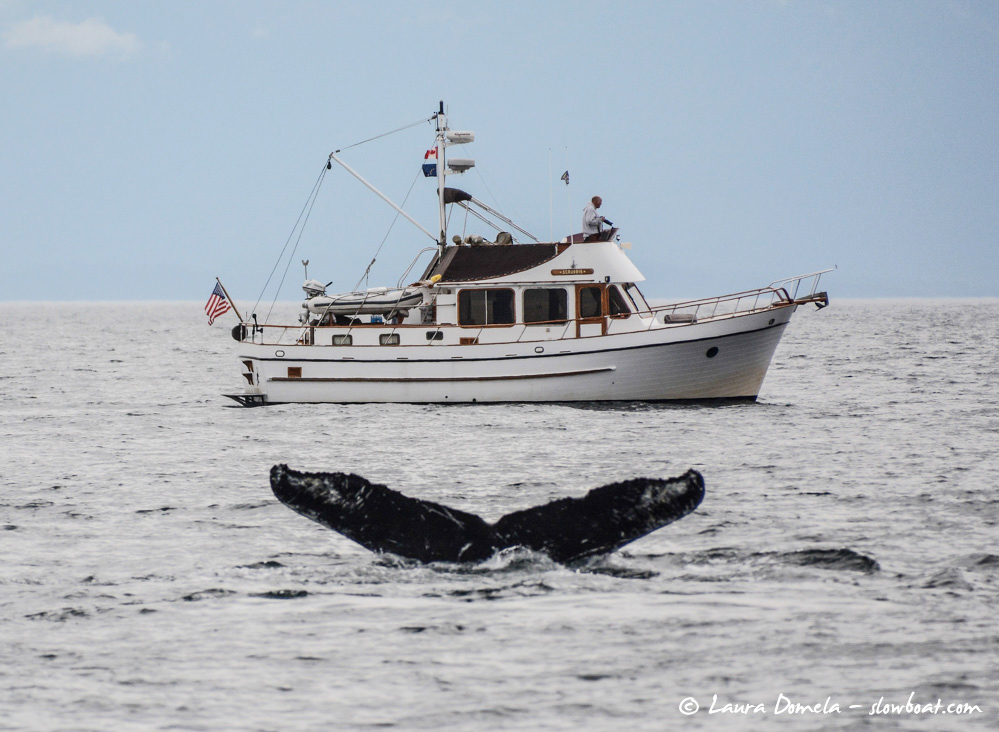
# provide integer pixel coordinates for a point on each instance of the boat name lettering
(586, 271)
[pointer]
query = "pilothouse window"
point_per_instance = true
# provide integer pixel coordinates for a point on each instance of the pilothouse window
(485, 307)
(636, 297)
(615, 302)
(589, 302)
(546, 305)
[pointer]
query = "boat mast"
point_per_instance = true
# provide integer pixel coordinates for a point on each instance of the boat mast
(441, 130)
(381, 195)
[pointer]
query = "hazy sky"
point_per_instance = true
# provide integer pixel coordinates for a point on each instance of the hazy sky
(147, 147)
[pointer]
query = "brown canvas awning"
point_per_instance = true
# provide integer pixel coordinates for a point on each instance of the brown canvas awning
(465, 263)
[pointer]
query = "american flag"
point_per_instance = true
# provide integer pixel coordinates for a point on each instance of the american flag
(217, 304)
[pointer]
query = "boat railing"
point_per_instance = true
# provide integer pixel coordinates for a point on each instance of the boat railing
(725, 306)
(413, 264)
(804, 288)
(278, 335)
(796, 290)
(275, 335)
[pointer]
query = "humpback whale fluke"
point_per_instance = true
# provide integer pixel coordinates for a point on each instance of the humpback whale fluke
(568, 529)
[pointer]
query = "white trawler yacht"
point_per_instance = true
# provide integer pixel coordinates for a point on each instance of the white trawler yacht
(497, 320)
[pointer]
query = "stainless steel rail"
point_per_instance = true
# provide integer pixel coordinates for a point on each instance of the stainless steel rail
(780, 293)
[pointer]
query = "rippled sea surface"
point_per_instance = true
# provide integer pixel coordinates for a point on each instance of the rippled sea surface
(846, 553)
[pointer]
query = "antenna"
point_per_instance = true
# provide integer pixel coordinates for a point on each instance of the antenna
(551, 222)
(439, 143)
(305, 263)
(568, 193)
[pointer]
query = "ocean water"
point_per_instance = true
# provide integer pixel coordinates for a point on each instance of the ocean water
(842, 572)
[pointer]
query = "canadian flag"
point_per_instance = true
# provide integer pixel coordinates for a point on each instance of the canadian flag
(430, 164)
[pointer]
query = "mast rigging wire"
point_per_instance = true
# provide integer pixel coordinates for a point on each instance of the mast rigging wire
(396, 218)
(496, 198)
(297, 241)
(310, 201)
(311, 198)
(386, 134)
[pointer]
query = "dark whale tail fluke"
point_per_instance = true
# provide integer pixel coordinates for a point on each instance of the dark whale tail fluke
(569, 529)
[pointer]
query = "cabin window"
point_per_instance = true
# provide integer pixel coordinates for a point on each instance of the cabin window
(589, 302)
(388, 339)
(435, 335)
(485, 307)
(545, 305)
(636, 297)
(615, 302)
(343, 340)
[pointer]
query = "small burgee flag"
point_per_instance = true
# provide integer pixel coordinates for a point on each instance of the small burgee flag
(217, 304)
(565, 177)
(430, 164)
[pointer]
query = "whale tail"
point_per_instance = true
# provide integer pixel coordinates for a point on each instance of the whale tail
(568, 529)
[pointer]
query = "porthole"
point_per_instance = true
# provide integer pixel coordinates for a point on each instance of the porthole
(539, 349)
(771, 321)
(279, 354)
(712, 352)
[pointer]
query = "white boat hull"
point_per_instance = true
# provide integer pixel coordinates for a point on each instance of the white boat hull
(722, 359)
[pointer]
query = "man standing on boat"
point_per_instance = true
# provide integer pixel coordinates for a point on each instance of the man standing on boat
(592, 222)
